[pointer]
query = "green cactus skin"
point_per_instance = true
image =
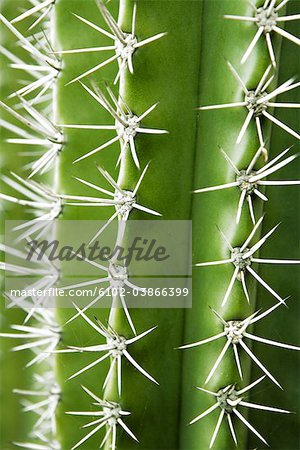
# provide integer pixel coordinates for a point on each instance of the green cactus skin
(184, 69)
(14, 424)
(157, 78)
(284, 323)
(77, 143)
(148, 85)
(218, 208)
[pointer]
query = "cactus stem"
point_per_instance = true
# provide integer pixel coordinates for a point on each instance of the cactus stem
(110, 416)
(229, 399)
(45, 334)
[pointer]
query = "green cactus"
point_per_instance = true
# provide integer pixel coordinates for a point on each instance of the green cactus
(136, 105)
(14, 423)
